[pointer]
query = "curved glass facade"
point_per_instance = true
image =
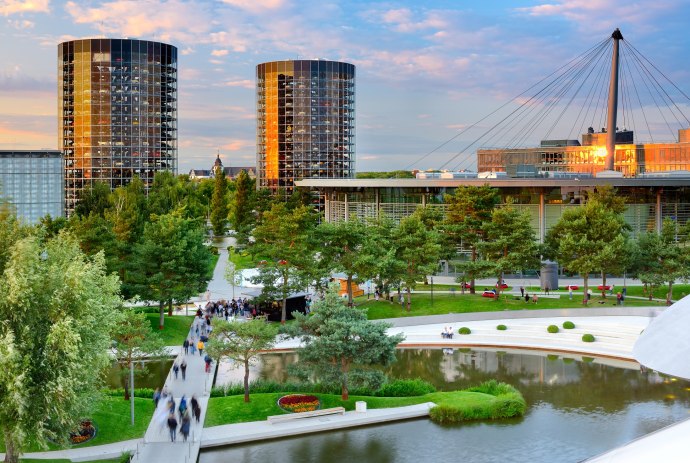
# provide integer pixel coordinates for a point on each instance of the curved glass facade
(305, 122)
(117, 106)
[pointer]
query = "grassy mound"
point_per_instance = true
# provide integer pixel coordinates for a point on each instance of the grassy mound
(499, 400)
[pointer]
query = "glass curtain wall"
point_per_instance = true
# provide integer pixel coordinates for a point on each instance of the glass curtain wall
(118, 112)
(305, 122)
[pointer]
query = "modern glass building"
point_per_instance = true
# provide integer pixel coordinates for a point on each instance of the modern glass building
(631, 159)
(305, 122)
(32, 182)
(117, 106)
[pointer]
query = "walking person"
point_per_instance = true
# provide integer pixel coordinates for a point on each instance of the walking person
(192, 345)
(200, 346)
(522, 291)
(570, 291)
(183, 406)
(156, 397)
(183, 369)
(208, 360)
(196, 409)
(185, 425)
(185, 344)
(176, 369)
(172, 426)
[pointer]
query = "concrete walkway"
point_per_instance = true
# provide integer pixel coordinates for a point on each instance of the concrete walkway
(261, 430)
(157, 445)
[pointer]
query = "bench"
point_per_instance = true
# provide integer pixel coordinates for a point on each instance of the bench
(294, 416)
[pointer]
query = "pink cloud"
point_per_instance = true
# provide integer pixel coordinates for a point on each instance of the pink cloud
(8, 7)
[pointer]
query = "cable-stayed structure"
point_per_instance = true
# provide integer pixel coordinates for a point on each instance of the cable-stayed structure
(611, 96)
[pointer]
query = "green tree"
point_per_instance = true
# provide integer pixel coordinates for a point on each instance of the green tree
(469, 208)
(338, 340)
(587, 238)
(241, 342)
(241, 210)
(219, 204)
(509, 245)
(95, 234)
(11, 230)
(57, 309)
(284, 239)
(93, 199)
(133, 341)
(52, 226)
(341, 246)
(379, 255)
(663, 259)
(171, 262)
(167, 194)
(419, 249)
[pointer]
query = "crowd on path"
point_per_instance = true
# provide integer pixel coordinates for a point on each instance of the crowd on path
(165, 413)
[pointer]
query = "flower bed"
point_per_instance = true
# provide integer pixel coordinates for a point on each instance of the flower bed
(295, 403)
(86, 432)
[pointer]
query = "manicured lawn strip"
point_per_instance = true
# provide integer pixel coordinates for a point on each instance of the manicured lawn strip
(233, 409)
(242, 259)
(679, 291)
(458, 303)
(213, 262)
(111, 416)
(175, 328)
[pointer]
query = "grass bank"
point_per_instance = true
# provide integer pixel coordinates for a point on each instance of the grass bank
(459, 303)
(175, 328)
(473, 404)
(111, 416)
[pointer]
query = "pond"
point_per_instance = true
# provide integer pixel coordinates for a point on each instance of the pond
(578, 407)
(152, 376)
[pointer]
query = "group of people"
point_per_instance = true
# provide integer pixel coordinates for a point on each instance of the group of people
(166, 413)
(239, 307)
(447, 332)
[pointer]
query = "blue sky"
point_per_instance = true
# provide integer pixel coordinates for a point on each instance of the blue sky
(424, 69)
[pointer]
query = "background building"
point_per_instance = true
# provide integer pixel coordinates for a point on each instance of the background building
(230, 171)
(305, 122)
(117, 106)
(631, 159)
(32, 181)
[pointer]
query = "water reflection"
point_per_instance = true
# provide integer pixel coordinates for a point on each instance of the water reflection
(578, 407)
(152, 376)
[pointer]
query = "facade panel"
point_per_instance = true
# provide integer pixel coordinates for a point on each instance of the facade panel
(305, 122)
(32, 182)
(117, 106)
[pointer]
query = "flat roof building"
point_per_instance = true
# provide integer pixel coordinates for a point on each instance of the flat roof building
(32, 182)
(630, 159)
(117, 112)
(649, 200)
(305, 122)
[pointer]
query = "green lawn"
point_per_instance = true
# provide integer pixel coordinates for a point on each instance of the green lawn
(679, 291)
(175, 328)
(112, 418)
(242, 259)
(233, 409)
(31, 460)
(458, 303)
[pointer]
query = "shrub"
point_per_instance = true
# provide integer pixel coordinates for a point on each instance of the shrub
(551, 357)
(508, 403)
(501, 327)
(144, 392)
(406, 388)
(464, 330)
(587, 337)
(587, 359)
(567, 360)
(568, 325)
(552, 329)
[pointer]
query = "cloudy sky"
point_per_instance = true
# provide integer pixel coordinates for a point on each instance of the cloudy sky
(424, 69)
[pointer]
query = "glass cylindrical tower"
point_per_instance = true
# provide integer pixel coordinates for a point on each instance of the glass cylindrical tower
(117, 112)
(305, 122)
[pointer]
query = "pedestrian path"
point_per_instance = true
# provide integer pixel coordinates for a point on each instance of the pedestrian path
(157, 446)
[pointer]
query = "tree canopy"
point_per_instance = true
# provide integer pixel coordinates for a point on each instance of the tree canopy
(241, 342)
(338, 339)
(57, 309)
